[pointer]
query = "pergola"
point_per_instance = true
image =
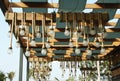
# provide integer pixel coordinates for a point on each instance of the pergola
(70, 13)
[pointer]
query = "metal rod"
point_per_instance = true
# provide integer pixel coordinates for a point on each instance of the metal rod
(27, 38)
(43, 31)
(66, 18)
(11, 33)
(33, 24)
(22, 19)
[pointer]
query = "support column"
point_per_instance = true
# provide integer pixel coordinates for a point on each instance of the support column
(98, 70)
(21, 64)
(27, 71)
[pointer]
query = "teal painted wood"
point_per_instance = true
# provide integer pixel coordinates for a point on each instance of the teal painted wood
(38, 10)
(58, 56)
(59, 52)
(113, 35)
(72, 6)
(60, 35)
(61, 43)
(60, 24)
(40, 55)
(110, 11)
(108, 1)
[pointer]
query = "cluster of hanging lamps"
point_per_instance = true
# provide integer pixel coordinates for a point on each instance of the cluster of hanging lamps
(43, 50)
(74, 30)
(10, 34)
(27, 53)
(33, 42)
(83, 29)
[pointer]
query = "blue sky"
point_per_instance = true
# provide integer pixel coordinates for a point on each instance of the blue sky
(7, 62)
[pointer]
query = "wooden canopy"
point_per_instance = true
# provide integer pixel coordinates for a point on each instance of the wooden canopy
(59, 44)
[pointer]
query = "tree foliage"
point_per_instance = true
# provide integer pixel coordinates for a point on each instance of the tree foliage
(11, 75)
(2, 76)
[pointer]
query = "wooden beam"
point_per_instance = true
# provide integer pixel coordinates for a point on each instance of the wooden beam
(7, 3)
(4, 5)
(103, 5)
(70, 50)
(107, 30)
(108, 50)
(116, 72)
(38, 59)
(28, 17)
(87, 17)
(66, 58)
(34, 5)
(56, 5)
(67, 40)
(113, 30)
(38, 18)
(64, 47)
(117, 16)
(86, 69)
(111, 23)
(116, 43)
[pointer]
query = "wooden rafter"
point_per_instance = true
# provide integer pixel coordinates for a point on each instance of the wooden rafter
(4, 4)
(107, 30)
(64, 47)
(39, 18)
(108, 50)
(115, 41)
(56, 5)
